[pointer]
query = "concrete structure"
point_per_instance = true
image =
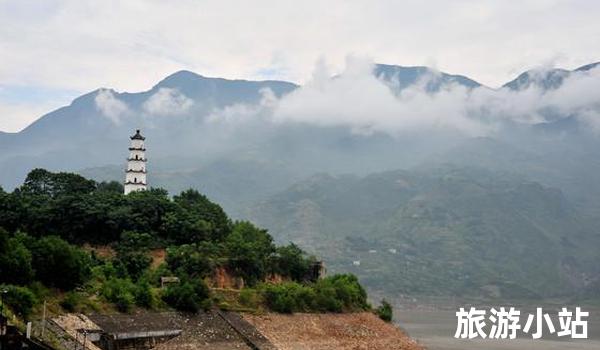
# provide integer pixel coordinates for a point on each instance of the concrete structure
(135, 176)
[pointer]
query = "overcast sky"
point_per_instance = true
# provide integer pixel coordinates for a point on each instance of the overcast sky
(53, 51)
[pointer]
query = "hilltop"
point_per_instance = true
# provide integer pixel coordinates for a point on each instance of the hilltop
(75, 245)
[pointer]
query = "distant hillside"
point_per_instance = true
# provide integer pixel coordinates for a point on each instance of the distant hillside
(403, 77)
(545, 79)
(235, 183)
(94, 129)
(444, 231)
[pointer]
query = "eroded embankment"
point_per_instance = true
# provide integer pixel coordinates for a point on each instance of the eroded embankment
(331, 331)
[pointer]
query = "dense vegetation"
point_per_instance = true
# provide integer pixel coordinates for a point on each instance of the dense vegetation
(443, 231)
(49, 226)
(333, 294)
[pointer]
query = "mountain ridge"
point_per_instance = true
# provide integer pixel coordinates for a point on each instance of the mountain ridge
(403, 76)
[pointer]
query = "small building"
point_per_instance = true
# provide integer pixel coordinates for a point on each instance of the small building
(135, 174)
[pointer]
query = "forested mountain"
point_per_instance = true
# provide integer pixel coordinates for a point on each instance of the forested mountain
(489, 178)
(441, 231)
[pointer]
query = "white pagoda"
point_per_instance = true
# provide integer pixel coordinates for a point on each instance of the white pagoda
(135, 176)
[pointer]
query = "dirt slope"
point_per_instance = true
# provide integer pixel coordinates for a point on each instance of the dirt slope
(331, 331)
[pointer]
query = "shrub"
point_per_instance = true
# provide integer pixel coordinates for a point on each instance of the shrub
(143, 295)
(71, 301)
(124, 301)
(333, 294)
(341, 292)
(249, 297)
(20, 299)
(120, 292)
(187, 296)
(385, 311)
(289, 297)
(326, 299)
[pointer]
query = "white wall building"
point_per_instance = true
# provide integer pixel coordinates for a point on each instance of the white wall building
(135, 176)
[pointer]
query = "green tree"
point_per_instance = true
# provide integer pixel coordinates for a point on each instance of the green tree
(11, 211)
(59, 264)
(249, 250)
(43, 182)
(187, 296)
(132, 254)
(111, 187)
(20, 299)
(201, 208)
(192, 260)
(147, 211)
(290, 261)
(184, 226)
(15, 260)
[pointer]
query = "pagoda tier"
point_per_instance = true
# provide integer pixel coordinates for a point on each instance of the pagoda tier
(137, 160)
(135, 183)
(136, 171)
(137, 136)
(137, 149)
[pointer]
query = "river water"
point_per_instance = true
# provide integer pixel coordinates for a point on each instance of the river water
(435, 329)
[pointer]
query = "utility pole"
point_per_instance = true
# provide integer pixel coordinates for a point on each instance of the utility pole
(3, 320)
(44, 320)
(4, 291)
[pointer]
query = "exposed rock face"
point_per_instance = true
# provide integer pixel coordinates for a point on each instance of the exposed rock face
(331, 331)
(222, 279)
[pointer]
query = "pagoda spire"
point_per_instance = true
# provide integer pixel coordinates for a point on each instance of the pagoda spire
(135, 174)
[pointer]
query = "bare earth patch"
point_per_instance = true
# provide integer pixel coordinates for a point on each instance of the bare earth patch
(355, 331)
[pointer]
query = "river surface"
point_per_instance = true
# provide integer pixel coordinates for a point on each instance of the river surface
(435, 329)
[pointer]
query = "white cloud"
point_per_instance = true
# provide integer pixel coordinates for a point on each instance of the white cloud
(130, 45)
(359, 100)
(167, 102)
(110, 106)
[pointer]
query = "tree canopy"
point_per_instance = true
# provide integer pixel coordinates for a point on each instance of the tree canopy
(48, 225)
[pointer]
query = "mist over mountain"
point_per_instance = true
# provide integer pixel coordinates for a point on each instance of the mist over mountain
(520, 164)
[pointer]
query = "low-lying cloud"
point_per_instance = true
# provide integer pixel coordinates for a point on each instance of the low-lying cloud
(110, 106)
(367, 104)
(167, 102)
(359, 99)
